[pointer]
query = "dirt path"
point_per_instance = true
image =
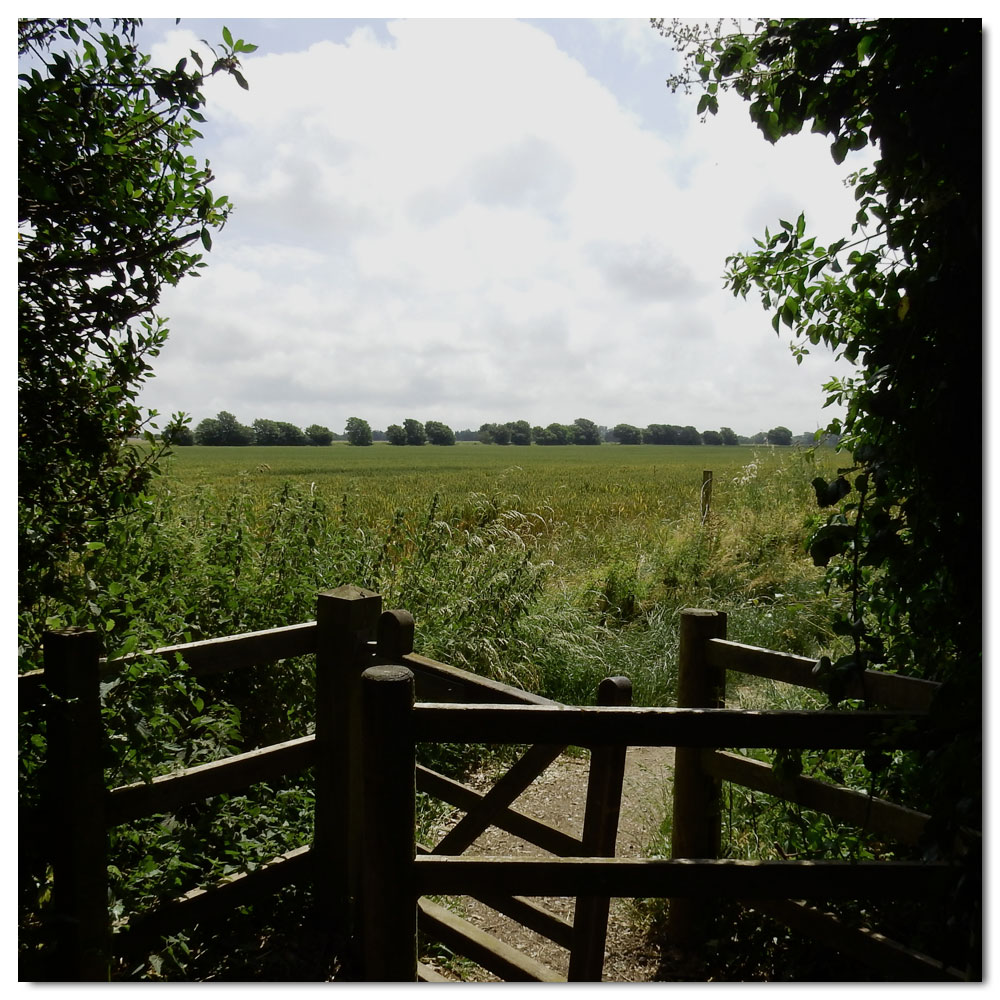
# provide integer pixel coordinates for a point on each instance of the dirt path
(558, 797)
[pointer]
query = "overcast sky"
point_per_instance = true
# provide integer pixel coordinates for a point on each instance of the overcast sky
(485, 220)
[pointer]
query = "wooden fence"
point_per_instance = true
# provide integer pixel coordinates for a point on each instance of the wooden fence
(375, 700)
(694, 879)
(350, 634)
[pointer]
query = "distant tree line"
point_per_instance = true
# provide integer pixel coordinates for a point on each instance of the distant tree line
(674, 434)
(225, 429)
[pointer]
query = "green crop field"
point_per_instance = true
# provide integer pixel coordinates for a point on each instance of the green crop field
(600, 503)
(520, 562)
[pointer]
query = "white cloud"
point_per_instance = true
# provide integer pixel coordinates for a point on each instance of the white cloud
(455, 220)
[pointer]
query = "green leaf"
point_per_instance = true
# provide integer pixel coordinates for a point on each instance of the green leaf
(227, 36)
(206, 239)
(828, 541)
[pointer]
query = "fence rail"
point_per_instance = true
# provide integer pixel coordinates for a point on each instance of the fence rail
(367, 870)
(874, 686)
(350, 633)
(394, 724)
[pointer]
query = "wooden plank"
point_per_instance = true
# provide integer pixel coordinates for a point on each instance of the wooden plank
(677, 878)
(600, 837)
(167, 792)
(879, 952)
(470, 687)
(198, 905)
(678, 727)
(527, 912)
(516, 779)
(232, 652)
(491, 953)
(30, 690)
(877, 815)
(534, 832)
(425, 974)
(881, 688)
(533, 916)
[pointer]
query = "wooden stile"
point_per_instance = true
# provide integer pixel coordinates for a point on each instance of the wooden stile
(363, 859)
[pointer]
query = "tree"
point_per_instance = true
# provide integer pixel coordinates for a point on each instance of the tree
(520, 432)
(627, 434)
(358, 431)
(395, 434)
(414, 430)
(779, 435)
(266, 432)
(223, 429)
(711, 437)
(688, 435)
(900, 296)
(728, 436)
(290, 434)
(494, 434)
(438, 433)
(319, 435)
(661, 434)
(553, 434)
(585, 431)
(208, 432)
(110, 205)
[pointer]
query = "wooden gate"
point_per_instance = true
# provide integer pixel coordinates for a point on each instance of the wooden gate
(585, 937)
(350, 634)
(370, 879)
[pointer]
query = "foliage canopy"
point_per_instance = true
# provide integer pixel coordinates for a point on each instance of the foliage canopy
(111, 207)
(900, 296)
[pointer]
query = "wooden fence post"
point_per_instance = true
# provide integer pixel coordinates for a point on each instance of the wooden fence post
(600, 836)
(696, 829)
(346, 619)
(388, 901)
(75, 806)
